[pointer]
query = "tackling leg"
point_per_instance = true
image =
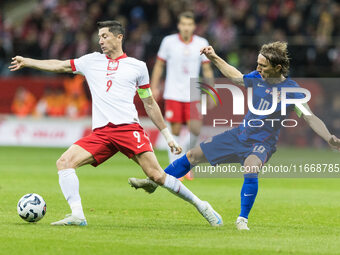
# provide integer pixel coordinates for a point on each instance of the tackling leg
(178, 168)
(151, 167)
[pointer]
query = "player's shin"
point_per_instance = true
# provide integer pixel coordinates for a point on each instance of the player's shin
(248, 193)
(176, 187)
(179, 167)
(69, 185)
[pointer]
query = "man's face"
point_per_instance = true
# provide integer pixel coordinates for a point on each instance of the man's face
(265, 69)
(186, 27)
(108, 41)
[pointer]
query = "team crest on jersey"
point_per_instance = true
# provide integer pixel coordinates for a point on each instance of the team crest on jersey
(113, 65)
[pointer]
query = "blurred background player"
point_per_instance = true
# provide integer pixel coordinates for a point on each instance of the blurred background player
(180, 53)
(113, 79)
(23, 103)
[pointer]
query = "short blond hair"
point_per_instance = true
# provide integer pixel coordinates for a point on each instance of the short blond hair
(277, 54)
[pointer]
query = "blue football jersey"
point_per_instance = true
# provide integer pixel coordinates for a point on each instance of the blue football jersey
(262, 100)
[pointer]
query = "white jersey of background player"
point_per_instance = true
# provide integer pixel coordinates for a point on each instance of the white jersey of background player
(113, 79)
(181, 55)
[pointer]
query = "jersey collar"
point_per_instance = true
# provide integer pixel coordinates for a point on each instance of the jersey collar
(120, 57)
(181, 39)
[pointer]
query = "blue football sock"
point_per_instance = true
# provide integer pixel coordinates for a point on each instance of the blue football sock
(248, 193)
(179, 167)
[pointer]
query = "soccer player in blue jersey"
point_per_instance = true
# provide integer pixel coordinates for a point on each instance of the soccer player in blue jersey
(248, 145)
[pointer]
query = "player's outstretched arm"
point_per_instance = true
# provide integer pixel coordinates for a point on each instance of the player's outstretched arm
(53, 65)
(227, 70)
(320, 128)
(155, 114)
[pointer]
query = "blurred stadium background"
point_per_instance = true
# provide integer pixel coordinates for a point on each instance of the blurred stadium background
(65, 29)
(291, 216)
(35, 106)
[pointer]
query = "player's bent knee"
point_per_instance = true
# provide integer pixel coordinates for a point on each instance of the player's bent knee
(63, 163)
(252, 164)
(195, 156)
(59, 163)
(190, 157)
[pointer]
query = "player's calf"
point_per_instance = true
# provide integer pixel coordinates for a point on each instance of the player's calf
(157, 177)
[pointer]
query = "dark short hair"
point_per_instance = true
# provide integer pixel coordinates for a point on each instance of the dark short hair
(115, 27)
(187, 14)
(277, 54)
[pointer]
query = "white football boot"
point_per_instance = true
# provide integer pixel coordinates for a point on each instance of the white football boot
(146, 184)
(242, 223)
(70, 220)
(211, 215)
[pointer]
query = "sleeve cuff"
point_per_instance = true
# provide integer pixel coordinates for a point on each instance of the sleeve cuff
(72, 65)
(161, 59)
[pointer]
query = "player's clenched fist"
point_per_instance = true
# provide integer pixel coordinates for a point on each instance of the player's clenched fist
(208, 51)
(334, 142)
(175, 148)
(17, 63)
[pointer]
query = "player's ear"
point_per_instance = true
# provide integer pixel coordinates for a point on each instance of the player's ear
(278, 68)
(120, 37)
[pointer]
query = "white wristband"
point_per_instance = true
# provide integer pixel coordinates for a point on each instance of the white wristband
(167, 135)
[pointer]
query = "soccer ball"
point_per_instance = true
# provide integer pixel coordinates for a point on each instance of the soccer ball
(31, 207)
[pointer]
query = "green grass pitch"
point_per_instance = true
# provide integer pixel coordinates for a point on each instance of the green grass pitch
(290, 216)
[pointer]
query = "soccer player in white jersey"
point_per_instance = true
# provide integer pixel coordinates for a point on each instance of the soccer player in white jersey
(180, 53)
(113, 79)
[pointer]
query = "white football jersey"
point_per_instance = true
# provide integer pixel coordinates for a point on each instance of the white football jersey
(113, 84)
(183, 61)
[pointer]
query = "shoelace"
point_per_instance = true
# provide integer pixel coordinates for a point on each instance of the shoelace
(242, 221)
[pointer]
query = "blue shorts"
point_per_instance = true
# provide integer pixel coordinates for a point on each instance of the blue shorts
(227, 148)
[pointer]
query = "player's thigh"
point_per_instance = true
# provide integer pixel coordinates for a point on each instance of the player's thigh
(74, 157)
(252, 164)
(149, 163)
(194, 126)
(222, 148)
